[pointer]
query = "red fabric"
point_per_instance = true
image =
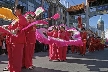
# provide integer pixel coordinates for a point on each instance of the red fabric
(84, 37)
(72, 49)
(50, 33)
(21, 23)
(29, 47)
(50, 51)
(83, 48)
(54, 48)
(91, 46)
(30, 35)
(102, 46)
(62, 51)
(1, 38)
(28, 54)
(50, 46)
(79, 22)
(15, 54)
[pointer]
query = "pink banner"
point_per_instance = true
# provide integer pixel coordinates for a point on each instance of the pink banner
(36, 22)
(59, 42)
(56, 16)
(41, 37)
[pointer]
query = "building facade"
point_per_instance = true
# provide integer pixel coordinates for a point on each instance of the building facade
(100, 24)
(31, 5)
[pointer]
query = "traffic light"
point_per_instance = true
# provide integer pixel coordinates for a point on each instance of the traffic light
(97, 2)
(78, 9)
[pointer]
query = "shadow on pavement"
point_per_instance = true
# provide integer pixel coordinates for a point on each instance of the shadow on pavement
(3, 58)
(94, 61)
(40, 69)
(41, 54)
(3, 62)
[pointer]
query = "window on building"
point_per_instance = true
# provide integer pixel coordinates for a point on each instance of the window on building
(39, 1)
(8, 0)
(61, 10)
(63, 18)
(46, 6)
(25, 5)
(13, 1)
(19, 2)
(30, 6)
(60, 16)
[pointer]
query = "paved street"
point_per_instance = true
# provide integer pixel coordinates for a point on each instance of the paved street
(92, 62)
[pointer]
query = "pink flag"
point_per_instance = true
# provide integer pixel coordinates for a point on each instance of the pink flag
(56, 16)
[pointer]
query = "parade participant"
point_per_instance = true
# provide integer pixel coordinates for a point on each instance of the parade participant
(15, 48)
(102, 44)
(84, 40)
(91, 44)
(53, 55)
(62, 51)
(95, 43)
(30, 44)
(98, 44)
(72, 38)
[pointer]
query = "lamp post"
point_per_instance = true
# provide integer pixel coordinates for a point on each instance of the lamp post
(87, 14)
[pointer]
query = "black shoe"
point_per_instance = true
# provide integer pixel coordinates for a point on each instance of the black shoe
(50, 60)
(6, 69)
(83, 55)
(23, 67)
(31, 68)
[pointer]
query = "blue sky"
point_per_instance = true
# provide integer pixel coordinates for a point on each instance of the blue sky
(93, 20)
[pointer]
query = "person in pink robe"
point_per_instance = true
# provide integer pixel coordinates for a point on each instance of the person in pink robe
(15, 48)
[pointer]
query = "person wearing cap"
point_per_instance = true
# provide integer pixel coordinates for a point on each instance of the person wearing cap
(15, 48)
(84, 40)
(30, 43)
(62, 51)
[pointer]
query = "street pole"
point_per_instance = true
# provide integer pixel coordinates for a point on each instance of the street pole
(87, 14)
